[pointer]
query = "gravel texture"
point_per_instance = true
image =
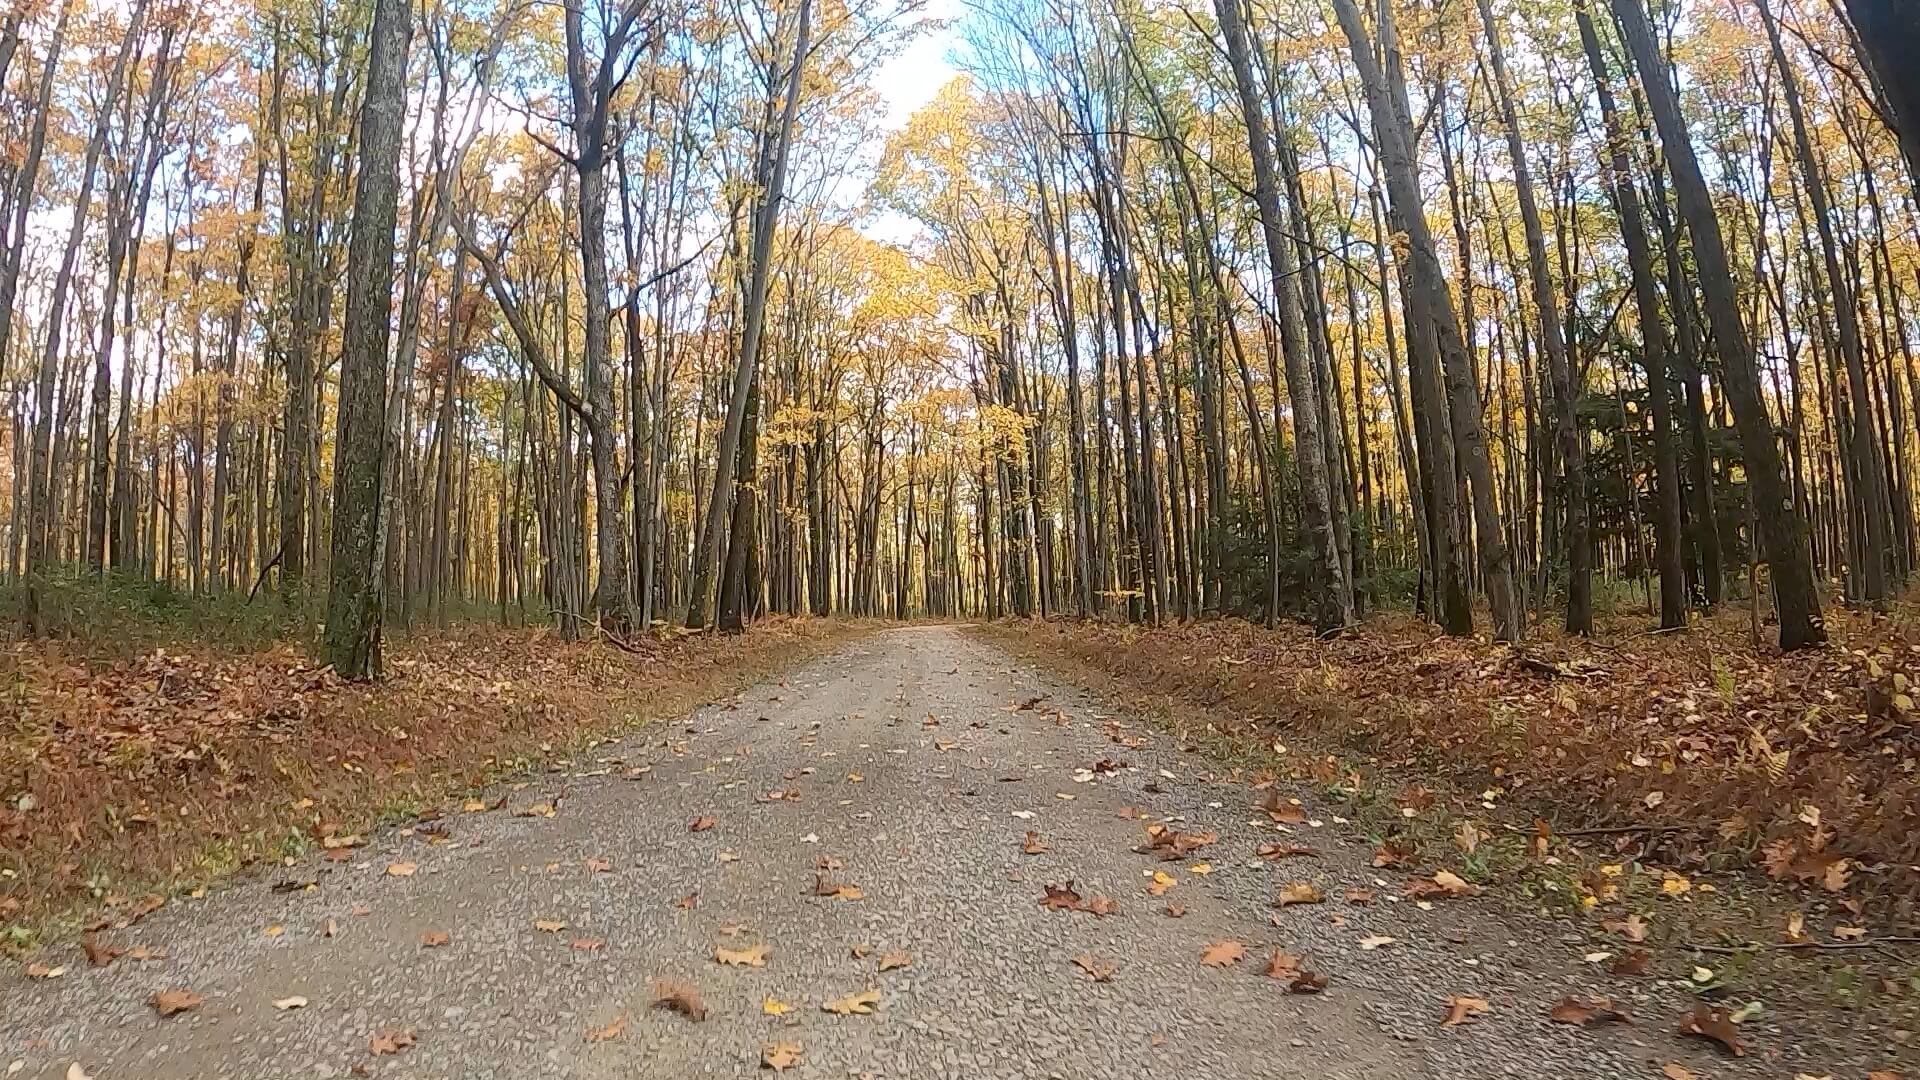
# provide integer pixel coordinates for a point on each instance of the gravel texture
(950, 778)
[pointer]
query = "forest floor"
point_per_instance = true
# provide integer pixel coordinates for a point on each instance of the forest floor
(1748, 818)
(131, 771)
(915, 857)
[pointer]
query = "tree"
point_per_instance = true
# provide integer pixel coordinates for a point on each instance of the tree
(357, 567)
(1782, 532)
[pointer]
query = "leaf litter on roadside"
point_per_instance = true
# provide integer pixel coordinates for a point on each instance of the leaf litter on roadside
(780, 1056)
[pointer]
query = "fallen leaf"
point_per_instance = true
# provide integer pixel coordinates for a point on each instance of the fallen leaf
(1675, 1071)
(1583, 1011)
(1464, 1010)
(285, 1003)
(860, 1004)
(679, 997)
(1276, 852)
(1176, 911)
(1223, 954)
(610, 1032)
(687, 902)
(1061, 898)
(1101, 906)
(434, 939)
(390, 1042)
(1632, 963)
(1162, 881)
(1359, 896)
(892, 960)
(74, 1072)
(702, 824)
(1390, 855)
(1443, 884)
(171, 1002)
(401, 869)
(1281, 810)
(1033, 845)
(587, 944)
(549, 926)
(99, 955)
(37, 970)
(1299, 892)
(1283, 965)
(1633, 927)
(539, 809)
(599, 866)
(1098, 970)
(755, 956)
(1368, 944)
(780, 1056)
(773, 1006)
(1707, 1022)
(824, 887)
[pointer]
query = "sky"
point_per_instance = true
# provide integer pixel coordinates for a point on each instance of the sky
(906, 83)
(910, 79)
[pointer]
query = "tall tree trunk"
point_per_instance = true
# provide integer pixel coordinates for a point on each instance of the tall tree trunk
(772, 176)
(357, 566)
(1782, 532)
(1566, 393)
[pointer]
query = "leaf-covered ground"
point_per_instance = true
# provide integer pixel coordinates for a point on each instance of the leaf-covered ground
(912, 859)
(1804, 768)
(123, 778)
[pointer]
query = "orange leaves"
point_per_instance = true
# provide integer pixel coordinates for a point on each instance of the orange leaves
(1098, 970)
(1465, 1010)
(1444, 884)
(1033, 846)
(780, 1056)
(824, 887)
(1714, 1025)
(1276, 852)
(389, 1042)
(1299, 892)
(1172, 845)
(174, 1002)
(435, 939)
(1281, 811)
(1223, 954)
(1581, 1012)
(1064, 898)
(895, 960)
(702, 824)
(1292, 970)
(857, 1004)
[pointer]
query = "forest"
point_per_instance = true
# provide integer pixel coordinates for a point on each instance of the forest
(622, 316)
(496, 496)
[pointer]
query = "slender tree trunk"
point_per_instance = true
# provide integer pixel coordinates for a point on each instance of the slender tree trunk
(357, 566)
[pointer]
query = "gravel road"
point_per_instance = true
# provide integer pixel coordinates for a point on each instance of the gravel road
(901, 767)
